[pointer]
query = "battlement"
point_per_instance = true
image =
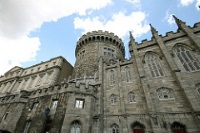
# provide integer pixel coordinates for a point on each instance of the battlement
(72, 86)
(103, 36)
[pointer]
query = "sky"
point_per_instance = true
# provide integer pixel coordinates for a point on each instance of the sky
(32, 31)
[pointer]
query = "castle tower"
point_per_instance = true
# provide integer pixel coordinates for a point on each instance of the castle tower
(95, 45)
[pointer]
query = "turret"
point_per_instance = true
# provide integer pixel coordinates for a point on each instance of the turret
(93, 45)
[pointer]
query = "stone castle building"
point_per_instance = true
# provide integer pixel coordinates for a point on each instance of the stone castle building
(156, 91)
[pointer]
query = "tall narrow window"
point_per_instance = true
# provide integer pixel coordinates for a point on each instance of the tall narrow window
(4, 117)
(112, 77)
(27, 126)
(128, 74)
(75, 127)
(153, 63)
(113, 99)
(115, 128)
(54, 104)
(79, 103)
(186, 58)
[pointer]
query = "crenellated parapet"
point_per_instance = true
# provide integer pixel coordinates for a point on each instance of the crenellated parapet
(100, 36)
(72, 86)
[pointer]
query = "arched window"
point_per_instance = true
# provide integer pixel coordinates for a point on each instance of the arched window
(187, 59)
(178, 128)
(113, 99)
(165, 93)
(153, 63)
(128, 74)
(112, 77)
(75, 127)
(198, 88)
(131, 97)
(115, 128)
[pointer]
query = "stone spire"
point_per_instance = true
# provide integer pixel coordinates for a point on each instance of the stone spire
(178, 21)
(153, 30)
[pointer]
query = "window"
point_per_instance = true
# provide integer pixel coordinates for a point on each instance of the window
(75, 127)
(128, 74)
(153, 63)
(113, 99)
(186, 58)
(165, 93)
(112, 77)
(82, 54)
(79, 103)
(198, 88)
(131, 97)
(27, 126)
(115, 128)
(108, 52)
(54, 104)
(35, 105)
(4, 116)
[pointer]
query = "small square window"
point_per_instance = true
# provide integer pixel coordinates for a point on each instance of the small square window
(79, 103)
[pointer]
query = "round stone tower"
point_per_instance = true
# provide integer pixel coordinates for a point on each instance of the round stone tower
(94, 45)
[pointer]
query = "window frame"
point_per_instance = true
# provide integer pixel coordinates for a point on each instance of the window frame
(115, 128)
(75, 125)
(113, 99)
(131, 97)
(186, 58)
(163, 91)
(154, 65)
(112, 77)
(79, 103)
(128, 74)
(54, 106)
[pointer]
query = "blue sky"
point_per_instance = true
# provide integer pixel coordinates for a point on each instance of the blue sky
(32, 31)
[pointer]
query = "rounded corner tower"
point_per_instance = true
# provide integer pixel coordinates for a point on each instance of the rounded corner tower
(95, 45)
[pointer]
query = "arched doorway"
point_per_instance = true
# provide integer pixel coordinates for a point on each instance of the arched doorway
(178, 128)
(138, 127)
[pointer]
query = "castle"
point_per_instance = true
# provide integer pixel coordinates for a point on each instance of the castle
(157, 90)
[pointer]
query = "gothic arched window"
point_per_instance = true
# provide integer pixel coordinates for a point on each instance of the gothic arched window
(113, 99)
(131, 97)
(153, 63)
(112, 77)
(165, 93)
(198, 88)
(186, 58)
(75, 127)
(115, 128)
(128, 74)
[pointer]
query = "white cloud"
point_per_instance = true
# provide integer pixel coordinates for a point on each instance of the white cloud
(186, 2)
(133, 1)
(15, 51)
(120, 24)
(169, 18)
(19, 18)
(198, 5)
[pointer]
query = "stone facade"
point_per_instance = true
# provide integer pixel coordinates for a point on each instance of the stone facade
(157, 90)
